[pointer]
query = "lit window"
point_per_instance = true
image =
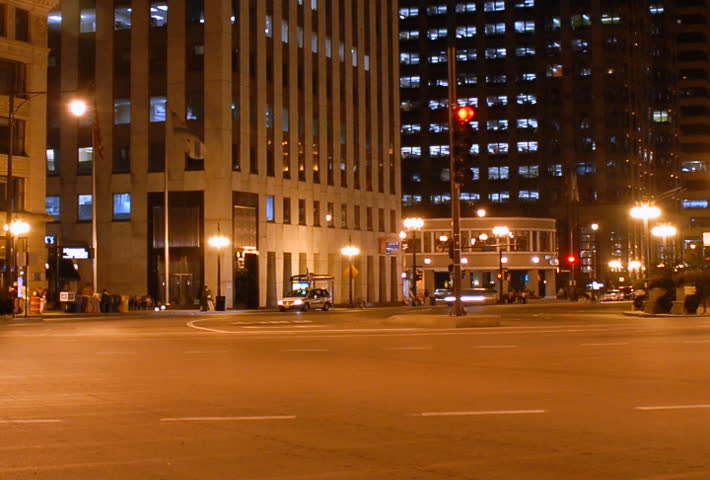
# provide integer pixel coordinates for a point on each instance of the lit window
(53, 206)
(466, 55)
(270, 209)
(157, 109)
(529, 171)
(437, 33)
(158, 14)
(465, 7)
(269, 26)
(499, 79)
(497, 100)
(411, 152)
(555, 170)
(314, 42)
(87, 23)
(52, 161)
(580, 45)
(524, 3)
(412, 128)
(524, 26)
(409, 58)
(525, 147)
(498, 148)
(85, 204)
(527, 77)
(610, 19)
(524, 51)
(553, 24)
(498, 173)
(438, 127)
(655, 9)
(86, 160)
(438, 104)
(436, 10)
(499, 197)
(496, 6)
(121, 206)
(661, 116)
(528, 195)
(467, 31)
(687, 203)
(494, 29)
(580, 20)
(122, 18)
(408, 12)
(439, 57)
(284, 37)
(438, 150)
(121, 111)
(554, 71)
(468, 79)
(497, 125)
(410, 82)
(494, 53)
(526, 99)
(409, 34)
(527, 123)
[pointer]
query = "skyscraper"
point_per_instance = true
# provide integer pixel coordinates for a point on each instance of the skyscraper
(577, 110)
(296, 102)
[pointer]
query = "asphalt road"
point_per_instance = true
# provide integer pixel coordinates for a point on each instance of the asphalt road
(565, 391)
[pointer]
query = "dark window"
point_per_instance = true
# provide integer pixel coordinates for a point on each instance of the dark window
(287, 210)
(236, 164)
(3, 20)
(156, 157)
(316, 213)
(301, 211)
(122, 159)
(22, 25)
(18, 194)
(192, 164)
(18, 136)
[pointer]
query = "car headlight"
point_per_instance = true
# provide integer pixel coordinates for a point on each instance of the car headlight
(449, 299)
(298, 302)
(280, 302)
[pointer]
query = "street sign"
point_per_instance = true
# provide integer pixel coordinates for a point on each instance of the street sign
(706, 239)
(76, 253)
(50, 239)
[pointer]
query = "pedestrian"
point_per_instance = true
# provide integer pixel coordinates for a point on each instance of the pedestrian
(206, 299)
(105, 301)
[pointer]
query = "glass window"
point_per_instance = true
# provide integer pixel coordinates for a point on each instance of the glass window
(52, 161)
(465, 31)
(53, 206)
(525, 26)
(498, 173)
(465, 7)
(86, 160)
(85, 204)
(436, 33)
(158, 14)
(270, 209)
(287, 210)
(22, 25)
(525, 51)
(494, 28)
(88, 20)
(316, 213)
(497, 6)
(301, 211)
(121, 111)
(3, 19)
(407, 12)
(121, 206)
(498, 148)
(344, 215)
(157, 109)
(529, 171)
(527, 147)
(122, 18)
(436, 10)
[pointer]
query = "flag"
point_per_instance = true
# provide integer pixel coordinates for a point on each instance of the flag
(193, 145)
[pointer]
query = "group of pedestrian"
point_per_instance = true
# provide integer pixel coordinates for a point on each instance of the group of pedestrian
(517, 296)
(206, 300)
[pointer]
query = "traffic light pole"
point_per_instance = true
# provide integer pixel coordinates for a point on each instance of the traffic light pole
(455, 188)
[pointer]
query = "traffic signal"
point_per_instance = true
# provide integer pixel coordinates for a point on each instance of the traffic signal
(571, 259)
(463, 140)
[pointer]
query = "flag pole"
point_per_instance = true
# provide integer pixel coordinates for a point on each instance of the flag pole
(166, 217)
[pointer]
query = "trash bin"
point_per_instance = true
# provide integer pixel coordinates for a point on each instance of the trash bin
(221, 304)
(123, 307)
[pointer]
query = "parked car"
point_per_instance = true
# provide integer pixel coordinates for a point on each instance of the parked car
(474, 296)
(612, 295)
(441, 293)
(306, 298)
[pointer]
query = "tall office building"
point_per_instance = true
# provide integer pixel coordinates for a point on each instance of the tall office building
(296, 101)
(23, 79)
(577, 112)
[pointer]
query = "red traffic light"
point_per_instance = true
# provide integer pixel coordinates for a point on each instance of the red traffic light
(464, 114)
(571, 259)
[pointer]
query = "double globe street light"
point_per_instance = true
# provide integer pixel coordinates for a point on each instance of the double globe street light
(646, 212)
(219, 241)
(350, 251)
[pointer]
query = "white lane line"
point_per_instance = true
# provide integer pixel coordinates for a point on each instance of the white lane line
(32, 420)
(697, 341)
(227, 419)
(478, 412)
(304, 350)
(408, 348)
(495, 346)
(602, 344)
(189, 352)
(115, 353)
(672, 407)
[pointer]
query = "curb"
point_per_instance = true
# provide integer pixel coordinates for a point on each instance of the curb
(442, 321)
(663, 315)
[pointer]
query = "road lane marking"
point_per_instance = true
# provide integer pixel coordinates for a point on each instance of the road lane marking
(115, 353)
(408, 348)
(495, 346)
(697, 341)
(206, 351)
(227, 419)
(32, 420)
(478, 413)
(304, 350)
(672, 407)
(602, 344)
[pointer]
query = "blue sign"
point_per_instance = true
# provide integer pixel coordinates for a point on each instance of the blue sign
(50, 239)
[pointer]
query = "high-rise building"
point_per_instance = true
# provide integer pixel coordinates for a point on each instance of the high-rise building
(297, 103)
(577, 111)
(23, 80)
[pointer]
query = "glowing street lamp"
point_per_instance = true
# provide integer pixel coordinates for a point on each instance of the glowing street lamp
(646, 212)
(350, 251)
(500, 232)
(664, 231)
(15, 229)
(219, 241)
(413, 224)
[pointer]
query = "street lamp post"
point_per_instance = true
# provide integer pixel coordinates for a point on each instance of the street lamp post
(413, 224)
(664, 231)
(500, 232)
(13, 230)
(219, 241)
(79, 108)
(646, 212)
(350, 251)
